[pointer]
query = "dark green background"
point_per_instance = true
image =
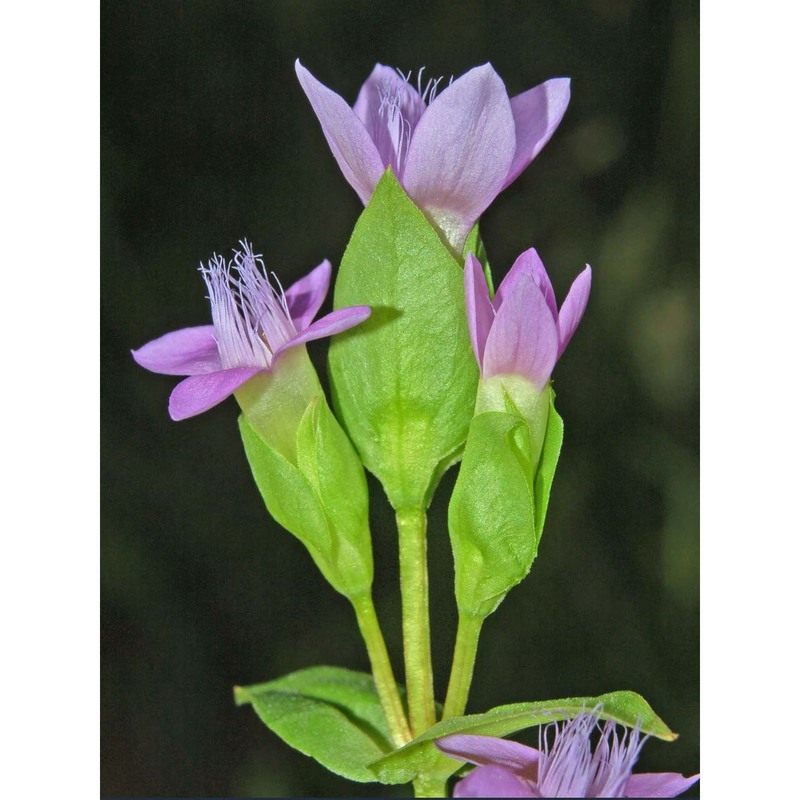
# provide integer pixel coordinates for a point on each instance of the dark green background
(207, 138)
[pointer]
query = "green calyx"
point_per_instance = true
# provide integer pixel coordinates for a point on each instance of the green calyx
(273, 403)
(514, 394)
(500, 499)
(309, 476)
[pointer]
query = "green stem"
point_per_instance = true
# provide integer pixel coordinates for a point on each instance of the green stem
(382, 674)
(411, 528)
(469, 629)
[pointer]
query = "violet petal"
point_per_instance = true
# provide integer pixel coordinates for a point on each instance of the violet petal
(537, 114)
(573, 307)
(349, 140)
(528, 263)
(493, 781)
(486, 750)
(198, 393)
(658, 784)
(461, 152)
(304, 298)
(189, 351)
(371, 93)
(480, 313)
(330, 324)
(524, 337)
(390, 108)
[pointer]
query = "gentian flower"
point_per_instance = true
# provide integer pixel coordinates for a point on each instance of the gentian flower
(453, 152)
(521, 331)
(254, 324)
(519, 335)
(564, 765)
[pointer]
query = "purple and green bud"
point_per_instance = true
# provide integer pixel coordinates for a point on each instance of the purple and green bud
(452, 150)
(519, 334)
(500, 499)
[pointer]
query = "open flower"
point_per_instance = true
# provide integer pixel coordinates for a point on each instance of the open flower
(564, 765)
(253, 324)
(521, 331)
(452, 151)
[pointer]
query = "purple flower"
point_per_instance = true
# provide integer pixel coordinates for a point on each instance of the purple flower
(564, 765)
(521, 331)
(254, 323)
(453, 152)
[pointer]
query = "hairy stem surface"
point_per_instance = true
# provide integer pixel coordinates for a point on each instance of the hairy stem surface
(382, 673)
(469, 630)
(411, 528)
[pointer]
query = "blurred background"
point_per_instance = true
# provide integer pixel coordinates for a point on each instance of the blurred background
(208, 138)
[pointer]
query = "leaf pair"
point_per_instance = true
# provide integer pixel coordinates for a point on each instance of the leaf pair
(334, 716)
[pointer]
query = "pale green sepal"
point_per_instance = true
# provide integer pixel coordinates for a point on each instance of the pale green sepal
(274, 402)
(551, 449)
(296, 501)
(626, 708)
(328, 713)
(516, 394)
(491, 515)
(327, 459)
(404, 380)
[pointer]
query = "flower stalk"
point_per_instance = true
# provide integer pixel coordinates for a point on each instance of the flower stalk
(466, 649)
(411, 528)
(382, 673)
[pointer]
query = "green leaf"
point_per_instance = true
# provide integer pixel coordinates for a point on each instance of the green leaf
(491, 514)
(551, 449)
(328, 713)
(404, 381)
(624, 707)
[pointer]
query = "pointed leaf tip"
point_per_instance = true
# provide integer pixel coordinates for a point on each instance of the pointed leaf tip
(330, 714)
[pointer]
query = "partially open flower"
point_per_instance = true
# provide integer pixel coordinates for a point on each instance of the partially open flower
(566, 764)
(254, 323)
(453, 151)
(521, 331)
(519, 335)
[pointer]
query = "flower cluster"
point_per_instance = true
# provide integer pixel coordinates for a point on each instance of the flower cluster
(427, 161)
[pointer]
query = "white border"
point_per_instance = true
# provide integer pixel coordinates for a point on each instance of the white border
(750, 409)
(49, 570)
